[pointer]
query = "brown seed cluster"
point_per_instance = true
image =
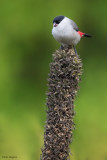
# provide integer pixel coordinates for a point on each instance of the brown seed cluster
(65, 72)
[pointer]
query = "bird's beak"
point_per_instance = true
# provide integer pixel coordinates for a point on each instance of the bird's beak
(55, 25)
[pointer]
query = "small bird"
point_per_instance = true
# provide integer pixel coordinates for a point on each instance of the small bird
(66, 32)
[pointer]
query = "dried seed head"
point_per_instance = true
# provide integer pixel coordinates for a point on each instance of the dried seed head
(65, 73)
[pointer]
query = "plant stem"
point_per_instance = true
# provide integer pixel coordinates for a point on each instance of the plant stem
(65, 73)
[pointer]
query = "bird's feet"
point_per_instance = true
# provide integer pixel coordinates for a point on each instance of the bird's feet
(65, 47)
(62, 47)
(75, 51)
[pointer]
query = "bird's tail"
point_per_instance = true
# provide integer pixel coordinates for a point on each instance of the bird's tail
(87, 35)
(84, 34)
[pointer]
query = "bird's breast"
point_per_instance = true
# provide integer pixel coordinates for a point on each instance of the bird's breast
(65, 34)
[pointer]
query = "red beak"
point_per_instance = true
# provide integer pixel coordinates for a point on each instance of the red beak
(55, 25)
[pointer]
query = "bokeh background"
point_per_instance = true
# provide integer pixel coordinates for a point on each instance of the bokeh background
(26, 47)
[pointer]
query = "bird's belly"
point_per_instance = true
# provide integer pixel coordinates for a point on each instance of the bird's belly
(69, 38)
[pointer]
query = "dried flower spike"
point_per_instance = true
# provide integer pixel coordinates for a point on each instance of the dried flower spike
(65, 73)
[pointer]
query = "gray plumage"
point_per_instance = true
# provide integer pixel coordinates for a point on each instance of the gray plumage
(74, 25)
(66, 31)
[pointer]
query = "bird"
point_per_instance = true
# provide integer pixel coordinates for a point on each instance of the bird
(66, 32)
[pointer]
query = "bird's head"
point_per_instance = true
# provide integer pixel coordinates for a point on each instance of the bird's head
(57, 20)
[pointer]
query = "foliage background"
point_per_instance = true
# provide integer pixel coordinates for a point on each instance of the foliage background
(26, 47)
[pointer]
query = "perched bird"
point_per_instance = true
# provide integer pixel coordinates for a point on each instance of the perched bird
(66, 32)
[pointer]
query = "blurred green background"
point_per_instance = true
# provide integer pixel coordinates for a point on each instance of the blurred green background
(26, 47)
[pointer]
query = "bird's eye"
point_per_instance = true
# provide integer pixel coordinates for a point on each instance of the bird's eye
(57, 22)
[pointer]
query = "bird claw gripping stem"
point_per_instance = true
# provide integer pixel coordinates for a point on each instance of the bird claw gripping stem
(69, 47)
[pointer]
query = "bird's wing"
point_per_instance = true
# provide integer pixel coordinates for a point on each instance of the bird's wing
(74, 25)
